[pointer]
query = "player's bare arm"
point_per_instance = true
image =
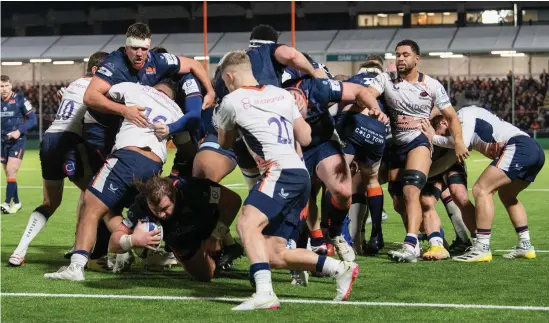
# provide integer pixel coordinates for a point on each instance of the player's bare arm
(455, 130)
(291, 57)
(365, 99)
(96, 99)
(302, 132)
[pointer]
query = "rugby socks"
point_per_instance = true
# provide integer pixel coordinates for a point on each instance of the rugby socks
(435, 239)
(357, 215)
(524, 236)
(16, 194)
(11, 190)
(375, 203)
(454, 213)
(261, 274)
(80, 258)
(37, 221)
(101, 247)
(317, 238)
(329, 266)
(250, 178)
(410, 242)
(337, 214)
(483, 238)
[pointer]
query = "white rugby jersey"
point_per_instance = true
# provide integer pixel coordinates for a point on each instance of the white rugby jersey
(480, 127)
(72, 108)
(265, 118)
(409, 103)
(158, 108)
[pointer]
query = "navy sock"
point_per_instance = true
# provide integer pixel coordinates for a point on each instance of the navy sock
(10, 189)
(257, 267)
(520, 229)
(320, 263)
(375, 204)
(15, 194)
(336, 213)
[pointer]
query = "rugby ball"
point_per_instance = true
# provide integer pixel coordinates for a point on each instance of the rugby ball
(149, 225)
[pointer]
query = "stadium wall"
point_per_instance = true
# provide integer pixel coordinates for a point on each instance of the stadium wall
(467, 66)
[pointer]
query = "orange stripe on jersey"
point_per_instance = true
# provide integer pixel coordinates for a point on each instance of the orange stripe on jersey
(264, 179)
(175, 182)
(254, 88)
(304, 213)
(20, 152)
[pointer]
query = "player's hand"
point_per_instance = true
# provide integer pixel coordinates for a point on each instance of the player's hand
(135, 115)
(427, 129)
(161, 130)
(377, 114)
(461, 152)
(208, 100)
(145, 239)
(211, 245)
(60, 93)
(14, 135)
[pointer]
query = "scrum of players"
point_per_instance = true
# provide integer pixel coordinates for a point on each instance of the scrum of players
(294, 131)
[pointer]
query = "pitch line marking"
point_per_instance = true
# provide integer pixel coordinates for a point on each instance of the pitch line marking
(295, 301)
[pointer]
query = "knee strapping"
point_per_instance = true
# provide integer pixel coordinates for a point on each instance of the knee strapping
(415, 178)
(458, 179)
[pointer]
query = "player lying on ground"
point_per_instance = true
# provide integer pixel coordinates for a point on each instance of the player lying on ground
(195, 215)
(138, 155)
(268, 120)
(17, 118)
(511, 172)
(62, 154)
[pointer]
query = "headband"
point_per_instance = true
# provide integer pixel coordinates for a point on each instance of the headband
(136, 42)
(258, 42)
(370, 70)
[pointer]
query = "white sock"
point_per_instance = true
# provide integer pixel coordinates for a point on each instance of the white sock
(332, 267)
(250, 178)
(357, 215)
(484, 241)
(36, 222)
(263, 282)
(524, 239)
(79, 259)
(436, 241)
(454, 213)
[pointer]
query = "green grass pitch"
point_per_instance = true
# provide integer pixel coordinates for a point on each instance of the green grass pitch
(393, 290)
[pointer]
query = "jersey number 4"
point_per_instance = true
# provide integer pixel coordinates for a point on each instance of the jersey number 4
(157, 118)
(279, 123)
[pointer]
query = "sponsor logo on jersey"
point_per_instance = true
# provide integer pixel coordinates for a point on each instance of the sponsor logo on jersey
(190, 87)
(335, 85)
(150, 70)
(423, 94)
(283, 194)
(170, 59)
(215, 195)
(103, 70)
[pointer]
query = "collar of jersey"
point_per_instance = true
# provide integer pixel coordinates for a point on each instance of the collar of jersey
(12, 94)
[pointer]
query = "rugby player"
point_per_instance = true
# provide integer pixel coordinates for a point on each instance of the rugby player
(17, 118)
(518, 164)
(271, 126)
(195, 215)
(410, 97)
(62, 154)
(137, 155)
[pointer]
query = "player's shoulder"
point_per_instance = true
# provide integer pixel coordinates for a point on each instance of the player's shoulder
(80, 82)
(431, 81)
(19, 97)
(163, 58)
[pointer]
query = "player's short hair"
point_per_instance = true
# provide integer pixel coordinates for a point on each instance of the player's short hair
(96, 59)
(159, 50)
(171, 83)
(236, 58)
(341, 77)
(376, 58)
(156, 188)
(411, 43)
(264, 32)
(373, 67)
(139, 30)
(5, 78)
(435, 122)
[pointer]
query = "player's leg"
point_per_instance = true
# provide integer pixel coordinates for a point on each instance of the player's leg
(200, 266)
(12, 167)
(414, 178)
(483, 191)
(374, 193)
(53, 194)
(462, 241)
(457, 184)
(358, 211)
(431, 221)
(335, 174)
(508, 195)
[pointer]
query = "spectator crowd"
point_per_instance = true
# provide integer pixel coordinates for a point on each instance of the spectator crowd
(495, 95)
